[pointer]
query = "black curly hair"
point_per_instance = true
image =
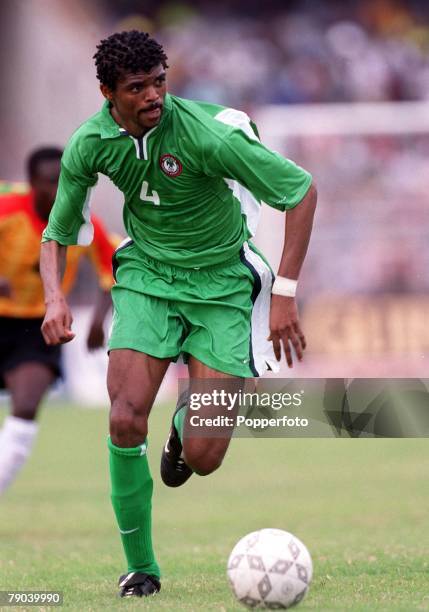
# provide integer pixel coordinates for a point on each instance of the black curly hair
(127, 52)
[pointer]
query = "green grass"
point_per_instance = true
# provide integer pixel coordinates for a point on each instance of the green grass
(361, 507)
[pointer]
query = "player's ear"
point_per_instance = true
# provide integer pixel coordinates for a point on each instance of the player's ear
(107, 92)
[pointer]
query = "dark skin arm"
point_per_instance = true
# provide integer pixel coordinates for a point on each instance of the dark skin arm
(285, 327)
(56, 326)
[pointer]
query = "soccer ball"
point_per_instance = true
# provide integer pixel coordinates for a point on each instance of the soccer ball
(269, 568)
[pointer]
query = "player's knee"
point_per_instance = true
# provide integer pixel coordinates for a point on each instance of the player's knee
(207, 465)
(127, 429)
(25, 410)
(203, 461)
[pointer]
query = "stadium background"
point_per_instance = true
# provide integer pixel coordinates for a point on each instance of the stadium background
(303, 70)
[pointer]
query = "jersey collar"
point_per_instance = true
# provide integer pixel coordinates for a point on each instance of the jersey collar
(110, 129)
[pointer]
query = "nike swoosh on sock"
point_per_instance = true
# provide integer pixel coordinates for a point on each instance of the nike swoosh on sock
(124, 532)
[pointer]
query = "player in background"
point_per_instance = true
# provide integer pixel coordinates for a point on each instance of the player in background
(188, 280)
(27, 365)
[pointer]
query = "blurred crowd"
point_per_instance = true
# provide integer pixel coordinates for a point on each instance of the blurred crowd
(303, 52)
(373, 216)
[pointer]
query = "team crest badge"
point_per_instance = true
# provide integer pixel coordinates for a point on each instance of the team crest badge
(170, 165)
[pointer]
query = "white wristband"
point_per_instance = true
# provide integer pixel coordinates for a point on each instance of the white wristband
(284, 286)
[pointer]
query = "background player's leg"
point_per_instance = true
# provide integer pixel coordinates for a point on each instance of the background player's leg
(27, 384)
(133, 381)
(205, 454)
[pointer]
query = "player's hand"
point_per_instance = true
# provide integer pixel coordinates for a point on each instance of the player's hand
(285, 328)
(56, 326)
(5, 288)
(95, 337)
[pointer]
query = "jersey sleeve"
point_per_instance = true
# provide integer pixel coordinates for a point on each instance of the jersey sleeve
(69, 221)
(272, 178)
(101, 252)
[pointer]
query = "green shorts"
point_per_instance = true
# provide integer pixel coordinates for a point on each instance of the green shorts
(218, 314)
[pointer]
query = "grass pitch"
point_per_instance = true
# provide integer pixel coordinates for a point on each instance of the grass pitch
(361, 507)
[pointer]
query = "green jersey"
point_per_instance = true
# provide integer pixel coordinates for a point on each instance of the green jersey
(192, 185)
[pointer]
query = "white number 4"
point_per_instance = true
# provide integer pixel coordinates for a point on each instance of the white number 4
(146, 197)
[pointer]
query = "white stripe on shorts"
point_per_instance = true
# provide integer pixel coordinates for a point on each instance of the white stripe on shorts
(262, 349)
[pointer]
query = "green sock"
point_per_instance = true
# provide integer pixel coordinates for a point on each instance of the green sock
(179, 421)
(132, 487)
